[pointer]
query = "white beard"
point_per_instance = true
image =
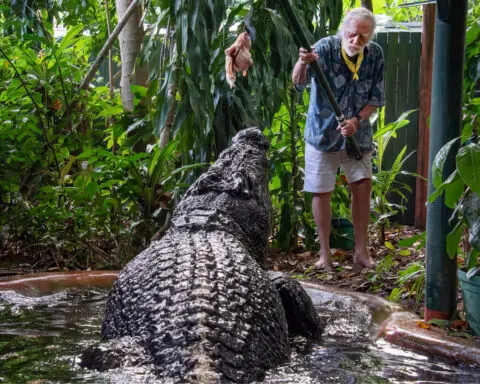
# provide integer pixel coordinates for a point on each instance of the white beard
(351, 52)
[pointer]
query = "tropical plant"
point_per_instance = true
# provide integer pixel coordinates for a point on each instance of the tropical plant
(461, 191)
(384, 181)
(286, 157)
(75, 179)
(158, 184)
(411, 284)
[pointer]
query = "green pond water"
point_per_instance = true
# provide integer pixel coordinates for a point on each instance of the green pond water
(41, 339)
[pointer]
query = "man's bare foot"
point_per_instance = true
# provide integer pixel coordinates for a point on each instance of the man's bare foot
(323, 262)
(363, 260)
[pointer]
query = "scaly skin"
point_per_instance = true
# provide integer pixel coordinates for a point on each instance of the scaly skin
(198, 301)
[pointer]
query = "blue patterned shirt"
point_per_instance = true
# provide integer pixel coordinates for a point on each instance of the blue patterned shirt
(352, 96)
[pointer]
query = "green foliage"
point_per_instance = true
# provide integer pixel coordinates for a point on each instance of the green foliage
(190, 75)
(403, 14)
(286, 156)
(381, 272)
(384, 182)
(72, 191)
(74, 171)
(460, 192)
(411, 281)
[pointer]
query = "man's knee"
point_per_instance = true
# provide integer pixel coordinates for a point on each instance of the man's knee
(365, 181)
(321, 195)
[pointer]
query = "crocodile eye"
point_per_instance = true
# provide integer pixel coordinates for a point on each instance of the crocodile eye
(240, 184)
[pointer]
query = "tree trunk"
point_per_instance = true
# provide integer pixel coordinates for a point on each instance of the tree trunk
(130, 44)
(367, 4)
(103, 52)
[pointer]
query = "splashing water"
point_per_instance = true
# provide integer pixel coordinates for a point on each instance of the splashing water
(42, 337)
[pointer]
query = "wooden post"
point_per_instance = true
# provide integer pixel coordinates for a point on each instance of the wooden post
(426, 67)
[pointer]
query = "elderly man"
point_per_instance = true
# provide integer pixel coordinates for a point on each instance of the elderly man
(354, 67)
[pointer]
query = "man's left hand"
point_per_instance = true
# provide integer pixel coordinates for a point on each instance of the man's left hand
(349, 127)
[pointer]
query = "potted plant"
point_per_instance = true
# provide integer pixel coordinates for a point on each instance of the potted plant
(342, 234)
(462, 194)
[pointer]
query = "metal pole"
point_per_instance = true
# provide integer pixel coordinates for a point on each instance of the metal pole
(445, 124)
(320, 75)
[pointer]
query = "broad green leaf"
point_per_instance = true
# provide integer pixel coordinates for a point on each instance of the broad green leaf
(453, 190)
(439, 162)
(389, 245)
(111, 202)
(92, 188)
(69, 38)
(411, 240)
(453, 239)
(473, 32)
(275, 183)
(79, 181)
(468, 164)
(441, 188)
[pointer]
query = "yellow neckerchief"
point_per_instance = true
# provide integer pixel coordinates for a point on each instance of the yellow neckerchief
(354, 67)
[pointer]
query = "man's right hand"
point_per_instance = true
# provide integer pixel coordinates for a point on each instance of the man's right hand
(306, 57)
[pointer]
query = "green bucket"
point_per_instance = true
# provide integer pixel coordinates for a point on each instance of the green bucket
(342, 234)
(471, 299)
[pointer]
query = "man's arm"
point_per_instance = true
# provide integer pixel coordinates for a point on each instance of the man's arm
(353, 124)
(299, 74)
(366, 111)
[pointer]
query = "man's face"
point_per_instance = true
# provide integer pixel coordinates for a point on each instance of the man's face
(356, 35)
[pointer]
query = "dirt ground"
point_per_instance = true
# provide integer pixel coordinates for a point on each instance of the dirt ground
(390, 260)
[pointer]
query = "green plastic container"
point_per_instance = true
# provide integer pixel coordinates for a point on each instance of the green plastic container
(471, 299)
(342, 234)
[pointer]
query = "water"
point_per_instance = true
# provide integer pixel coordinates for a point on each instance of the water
(41, 339)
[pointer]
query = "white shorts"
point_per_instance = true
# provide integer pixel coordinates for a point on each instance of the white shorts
(321, 169)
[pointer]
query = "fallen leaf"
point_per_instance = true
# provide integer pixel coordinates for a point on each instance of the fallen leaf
(305, 255)
(422, 324)
(459, 325)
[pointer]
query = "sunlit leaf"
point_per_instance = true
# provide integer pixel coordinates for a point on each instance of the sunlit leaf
(439, 162)
(468, 164)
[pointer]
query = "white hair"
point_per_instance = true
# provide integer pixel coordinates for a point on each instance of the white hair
(358, 13)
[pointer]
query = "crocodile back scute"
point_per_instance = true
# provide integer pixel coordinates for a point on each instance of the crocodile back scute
(205, 309)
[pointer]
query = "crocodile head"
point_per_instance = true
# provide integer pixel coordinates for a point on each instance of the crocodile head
(233, 194)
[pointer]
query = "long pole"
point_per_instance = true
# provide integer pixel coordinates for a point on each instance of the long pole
(320, 75)
(445, 125)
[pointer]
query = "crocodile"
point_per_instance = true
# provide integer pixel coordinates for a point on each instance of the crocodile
(197, 304)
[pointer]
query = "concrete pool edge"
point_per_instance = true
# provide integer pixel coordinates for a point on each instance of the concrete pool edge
(399, 327)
